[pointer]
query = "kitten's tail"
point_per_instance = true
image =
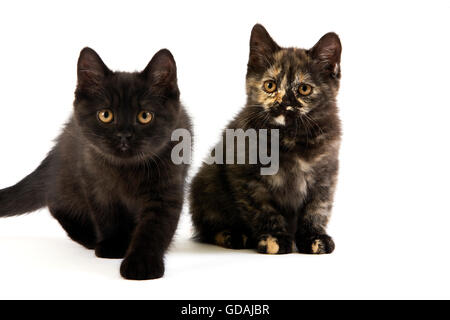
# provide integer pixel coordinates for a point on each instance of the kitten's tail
(27, 195)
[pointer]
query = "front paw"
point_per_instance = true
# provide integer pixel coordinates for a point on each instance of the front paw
(141, 267)
(111, 248)
(318, 244)
(279, 244)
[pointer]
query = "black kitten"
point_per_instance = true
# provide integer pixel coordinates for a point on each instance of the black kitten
(109, 180)
(292, 90)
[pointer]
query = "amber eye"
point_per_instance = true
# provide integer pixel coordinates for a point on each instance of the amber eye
(270, 86)
(105, 116)
(305, 89)
(144, 117)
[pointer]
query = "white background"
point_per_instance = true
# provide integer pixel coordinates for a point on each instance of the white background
(391, 217)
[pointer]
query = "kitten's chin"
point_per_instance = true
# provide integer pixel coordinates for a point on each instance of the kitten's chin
(121, 155)
(124, 153)
(127, 155)
(125, 158)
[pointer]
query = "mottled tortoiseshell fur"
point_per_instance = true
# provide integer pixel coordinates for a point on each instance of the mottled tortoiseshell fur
(234, 205)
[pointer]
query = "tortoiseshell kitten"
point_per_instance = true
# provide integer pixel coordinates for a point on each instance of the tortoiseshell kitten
(109, 180)
(293, 90)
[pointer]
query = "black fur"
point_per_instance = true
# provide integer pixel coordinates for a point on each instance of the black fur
(113, 186)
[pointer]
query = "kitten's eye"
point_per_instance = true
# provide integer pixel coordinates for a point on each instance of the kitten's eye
(270, 86)
(105, 116)
(144, 117)
(305, 89)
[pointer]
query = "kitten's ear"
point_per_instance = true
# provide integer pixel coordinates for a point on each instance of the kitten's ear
(262, 49)
(161, 72)
(328, 53)
(91, 69)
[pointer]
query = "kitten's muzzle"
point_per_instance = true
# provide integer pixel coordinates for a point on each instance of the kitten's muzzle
(124, 147)
(124, 140)
(287, 109)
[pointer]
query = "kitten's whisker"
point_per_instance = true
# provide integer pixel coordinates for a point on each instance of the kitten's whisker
(306, 129)
(314, 122)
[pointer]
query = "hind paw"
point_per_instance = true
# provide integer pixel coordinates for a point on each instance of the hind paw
(231, 240)
(112, 248)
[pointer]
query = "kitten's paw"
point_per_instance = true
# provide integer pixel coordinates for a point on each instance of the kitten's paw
(280, 244)
(231, 240)
(319, 244)
(141, 267)
(111, 248)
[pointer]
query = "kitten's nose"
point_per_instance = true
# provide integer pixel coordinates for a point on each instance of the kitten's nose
(125, 135)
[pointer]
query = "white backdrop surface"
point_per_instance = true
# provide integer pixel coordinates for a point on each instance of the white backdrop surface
(391, 216)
